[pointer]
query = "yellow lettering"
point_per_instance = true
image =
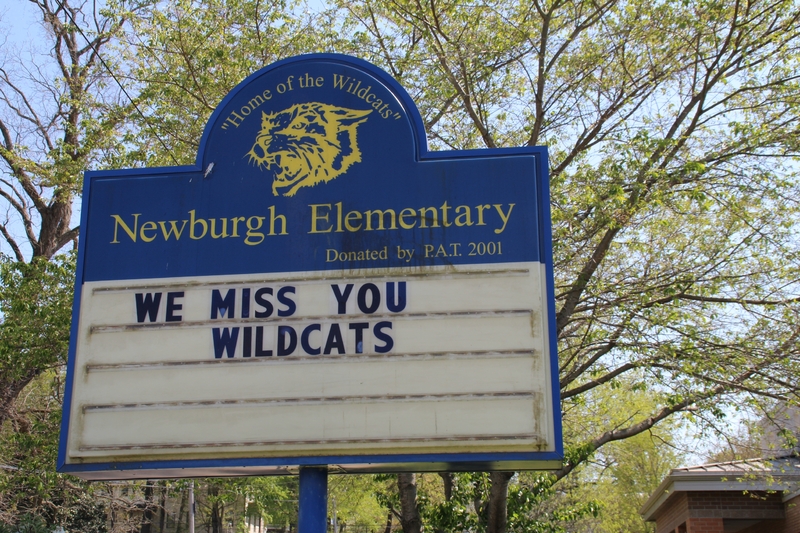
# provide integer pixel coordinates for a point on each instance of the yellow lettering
(423, 221)
(193, 222)
(480, 209)
(339, 217)
(408, 212)
(234, 118)
(355, 216)
(148, 226)
(503, 216)
(224, 233)
(444, 209)
(315, 216)
(251, 230)
(465, 218)
(173, 229)
(274, 218)
(235, 223)
(380, 214)
(256, 101)
(131, 232)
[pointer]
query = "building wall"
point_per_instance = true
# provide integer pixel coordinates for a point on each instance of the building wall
(792, 524)
(672, 513)
(765, 526)
(704, 512)
(705, 525)
(735, 504)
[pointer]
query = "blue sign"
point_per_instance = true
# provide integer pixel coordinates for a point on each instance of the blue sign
(318, 163)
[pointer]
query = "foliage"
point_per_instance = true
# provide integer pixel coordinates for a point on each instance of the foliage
(672, 129)
(32, 495)
(530, 505)
(622, 477)
(356, 503)
(35, 302)
(27, 524)
(274, 498)
(186, 56)
(673, 174)
(58, 117)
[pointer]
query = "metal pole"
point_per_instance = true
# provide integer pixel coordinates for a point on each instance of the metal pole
(191, 506)
(335, 518)
(313, 506)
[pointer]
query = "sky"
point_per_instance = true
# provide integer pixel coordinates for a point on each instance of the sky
(20, 30)
(17, 21)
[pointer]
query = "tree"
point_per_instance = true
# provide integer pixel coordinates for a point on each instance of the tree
(186, 56)
(623, 474)
(672, 129)
(673, 136)
(57, 118)
(35, 305)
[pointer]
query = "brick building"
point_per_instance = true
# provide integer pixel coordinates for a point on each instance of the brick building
(750, 496)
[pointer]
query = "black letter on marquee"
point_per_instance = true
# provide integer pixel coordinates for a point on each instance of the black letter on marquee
(147, 306)
(362, 298)
(225, 306)
(291, 307)
(335, 340)
(396, 307)
(245, 303)
(283, 332)
(260, 351)
(304, 339)
(263, 302)
(388, 341)
(172, 307)
(225, 341)
(359, 328)
(247, 343)
(342, 298)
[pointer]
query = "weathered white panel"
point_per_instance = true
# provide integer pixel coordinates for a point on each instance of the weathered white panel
(474, 332)
(466, 367)
(285, 378)
(415, 423)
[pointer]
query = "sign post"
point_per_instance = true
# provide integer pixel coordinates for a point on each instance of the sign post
(318, 289)
(312, 516)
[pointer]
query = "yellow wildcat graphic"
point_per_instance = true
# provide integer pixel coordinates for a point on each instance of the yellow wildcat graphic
(307, 144)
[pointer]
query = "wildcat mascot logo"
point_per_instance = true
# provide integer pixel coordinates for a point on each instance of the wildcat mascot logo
(307, 144)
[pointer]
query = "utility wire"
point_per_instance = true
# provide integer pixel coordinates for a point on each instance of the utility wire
(114, 77)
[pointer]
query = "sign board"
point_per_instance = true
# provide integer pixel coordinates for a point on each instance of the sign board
(319, 289)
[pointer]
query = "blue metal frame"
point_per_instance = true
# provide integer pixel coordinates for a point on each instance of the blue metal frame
(388, 462)
(313, 505)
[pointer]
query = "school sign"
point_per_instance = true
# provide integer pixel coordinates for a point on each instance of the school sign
(318, 289)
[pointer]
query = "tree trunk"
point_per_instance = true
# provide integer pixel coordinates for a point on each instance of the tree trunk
(147, 515)
(410, 519)
(447, 477)
(498, 502)
(162, 508)
(216, 511)
(181, 509)
(388, 523)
